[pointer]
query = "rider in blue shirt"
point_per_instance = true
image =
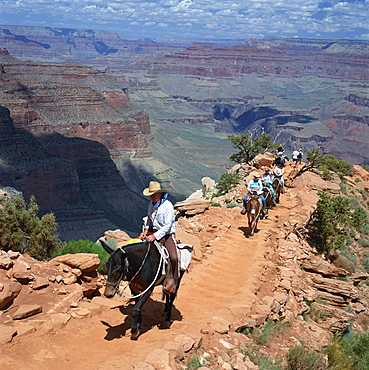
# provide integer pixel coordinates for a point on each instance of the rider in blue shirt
(255, 186)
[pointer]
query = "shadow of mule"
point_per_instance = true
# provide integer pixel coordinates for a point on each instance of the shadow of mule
(152, 315)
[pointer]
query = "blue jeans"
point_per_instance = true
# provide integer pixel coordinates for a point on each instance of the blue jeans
(261, 197)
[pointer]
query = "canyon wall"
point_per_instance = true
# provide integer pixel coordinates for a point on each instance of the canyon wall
(117, 113)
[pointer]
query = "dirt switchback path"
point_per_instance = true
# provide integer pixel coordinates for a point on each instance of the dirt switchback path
(219, 283)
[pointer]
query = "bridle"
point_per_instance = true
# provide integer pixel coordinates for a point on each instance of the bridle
(123, 276)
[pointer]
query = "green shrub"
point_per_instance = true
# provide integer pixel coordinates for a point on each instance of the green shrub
(87, 246)
(264, 334)
(356, 347)
(227, 182)
(366, 262)
(194, 362)
(300, 358)
(332, 220)
(339, 166)
(346, 252)
(215, 204)
(249, 147)
(364, 230)
(263, 360)
(23, 231)
(363, 242)
(343, 188)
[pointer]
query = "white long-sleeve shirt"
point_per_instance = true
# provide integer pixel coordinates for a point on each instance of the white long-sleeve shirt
(255, 186)
(161, 219)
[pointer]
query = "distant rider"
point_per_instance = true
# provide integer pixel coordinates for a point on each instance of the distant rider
(280, 158)
(278, 173)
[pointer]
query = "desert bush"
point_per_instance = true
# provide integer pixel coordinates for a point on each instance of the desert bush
(86, 246)
(23, 231)
(343, 188)
(327, 164)
(351, 256)
(363, 242)
(263, 360)
(339, 166)
(249, 147)
(215, 205)
(300, 358)
(332, 220)
(366, 262)
(227, 182)
(355, 348)
(264, 334)
(194, 362)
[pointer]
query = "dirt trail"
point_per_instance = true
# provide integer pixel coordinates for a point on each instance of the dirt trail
(216, 286)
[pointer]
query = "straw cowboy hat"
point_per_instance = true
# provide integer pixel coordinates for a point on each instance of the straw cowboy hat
(154, 187)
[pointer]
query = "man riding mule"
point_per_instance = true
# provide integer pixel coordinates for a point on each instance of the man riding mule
(160, 225)
(142, 265)
(255, 186)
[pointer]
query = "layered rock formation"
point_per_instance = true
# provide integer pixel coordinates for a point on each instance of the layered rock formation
(55, 141)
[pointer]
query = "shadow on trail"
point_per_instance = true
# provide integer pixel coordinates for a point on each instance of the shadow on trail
(152, 315)
(247, 231)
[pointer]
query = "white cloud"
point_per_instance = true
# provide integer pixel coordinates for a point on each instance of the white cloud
(236, 18)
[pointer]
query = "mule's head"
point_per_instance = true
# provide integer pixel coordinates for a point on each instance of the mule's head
(116, 266)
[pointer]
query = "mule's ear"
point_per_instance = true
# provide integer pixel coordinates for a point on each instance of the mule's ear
(106, 247)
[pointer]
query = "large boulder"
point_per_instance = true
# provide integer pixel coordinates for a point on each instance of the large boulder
(359, 172)
(263, 160)
(192, 207)
(121, 237)
(86, 262)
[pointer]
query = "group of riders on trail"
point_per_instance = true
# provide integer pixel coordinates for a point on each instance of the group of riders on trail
(263, 185)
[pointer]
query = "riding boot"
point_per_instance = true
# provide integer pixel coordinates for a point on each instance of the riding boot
(243, 211)
(265, 213)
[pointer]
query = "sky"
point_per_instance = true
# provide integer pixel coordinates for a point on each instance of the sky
(210, 19)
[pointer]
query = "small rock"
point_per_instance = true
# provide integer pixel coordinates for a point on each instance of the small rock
(40, 283)
(220, 325)
(7, 333)
(26, 311)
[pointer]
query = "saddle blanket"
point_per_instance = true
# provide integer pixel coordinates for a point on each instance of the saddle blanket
(184, 255)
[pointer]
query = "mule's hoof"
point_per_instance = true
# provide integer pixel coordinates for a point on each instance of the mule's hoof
(134, 336)
(165, 325)
(171, 286)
